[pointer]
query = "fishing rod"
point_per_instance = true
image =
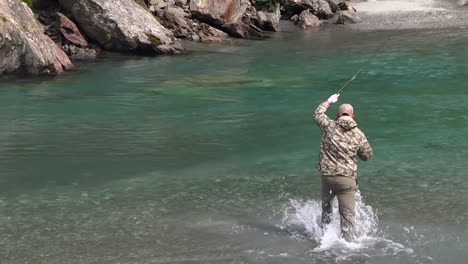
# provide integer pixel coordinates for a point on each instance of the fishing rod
(366, 63)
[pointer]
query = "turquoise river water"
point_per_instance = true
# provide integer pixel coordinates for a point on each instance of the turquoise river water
(209, 157)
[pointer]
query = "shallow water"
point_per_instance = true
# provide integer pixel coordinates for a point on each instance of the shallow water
(209, 158)
(410, 14)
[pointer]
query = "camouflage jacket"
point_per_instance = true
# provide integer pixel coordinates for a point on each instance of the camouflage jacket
(342, 142)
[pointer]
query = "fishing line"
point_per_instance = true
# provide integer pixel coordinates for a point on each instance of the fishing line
(367, 62)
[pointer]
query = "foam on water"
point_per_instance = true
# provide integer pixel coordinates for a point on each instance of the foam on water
(303, 219)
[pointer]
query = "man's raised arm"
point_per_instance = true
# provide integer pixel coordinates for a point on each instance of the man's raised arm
(320, 117)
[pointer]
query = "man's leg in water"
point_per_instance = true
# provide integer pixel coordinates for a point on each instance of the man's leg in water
(346, 189)
(327, 200)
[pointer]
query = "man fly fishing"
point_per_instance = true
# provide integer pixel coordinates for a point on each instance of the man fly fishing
(342, 142)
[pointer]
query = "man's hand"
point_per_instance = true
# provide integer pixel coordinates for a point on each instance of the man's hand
(333, 99)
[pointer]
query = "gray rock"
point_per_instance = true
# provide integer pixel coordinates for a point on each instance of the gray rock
(347, 17)
(243, 31)
(178, 21)
(122, 25)
(333, 5)
(225, 15)
(269, 21)
(70, 31)
(23, 45)
(462, 2)
(346, 6)
(209, 34)
(220, 12)
(182, 3)
(154, 5)
(79, 53)
(308, 20)
(295, 19)
(321, 9)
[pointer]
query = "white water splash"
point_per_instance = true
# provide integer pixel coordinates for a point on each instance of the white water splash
(303, 219)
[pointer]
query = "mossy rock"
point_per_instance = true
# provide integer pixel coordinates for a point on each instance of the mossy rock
(3, 18)
(159, 19)
(154, 40)
(142, 3)
(50, 67)
(28, 2)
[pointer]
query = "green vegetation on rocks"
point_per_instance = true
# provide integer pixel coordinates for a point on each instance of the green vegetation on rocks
(28, 2)
(3, 18)
(159, 19)
(154, 40)
(141, 2)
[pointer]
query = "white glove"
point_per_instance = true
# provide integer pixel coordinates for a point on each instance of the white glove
(333, 99)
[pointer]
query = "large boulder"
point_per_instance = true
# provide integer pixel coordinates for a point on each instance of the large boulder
(220, 12)
(70, 31)
(178, 21)
(122, 25)
(307, 20)
(72, 41)
(23, 45)
(225, 15)
(347, 17)
(333, 5)
(346, 6)
(323, 9)
(209, 34)
(269, 20)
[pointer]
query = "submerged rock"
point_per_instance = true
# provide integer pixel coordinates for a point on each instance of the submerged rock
(23, 45)
(122, 25)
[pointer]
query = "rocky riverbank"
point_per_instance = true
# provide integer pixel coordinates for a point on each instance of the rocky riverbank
(43, 36)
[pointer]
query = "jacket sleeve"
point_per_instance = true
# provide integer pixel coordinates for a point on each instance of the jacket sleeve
(320, 117)
(365, 150)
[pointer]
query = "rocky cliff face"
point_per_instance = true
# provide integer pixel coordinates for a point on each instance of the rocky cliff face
(24, 48)
(82, 28)
(122, 25)
(225, 15)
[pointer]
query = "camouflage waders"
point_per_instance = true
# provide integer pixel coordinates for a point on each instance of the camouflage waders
(341, 146)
